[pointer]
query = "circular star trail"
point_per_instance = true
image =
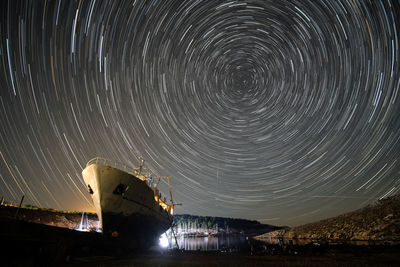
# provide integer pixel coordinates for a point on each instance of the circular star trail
(280, 111)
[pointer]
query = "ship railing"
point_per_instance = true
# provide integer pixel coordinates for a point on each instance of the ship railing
(114, 164)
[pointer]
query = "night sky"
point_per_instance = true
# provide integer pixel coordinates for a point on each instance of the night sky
(280, 111)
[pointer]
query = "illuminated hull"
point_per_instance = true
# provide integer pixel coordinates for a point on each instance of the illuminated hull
(125, 205)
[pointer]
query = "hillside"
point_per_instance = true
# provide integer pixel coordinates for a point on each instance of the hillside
(51, 217)
(378, 221)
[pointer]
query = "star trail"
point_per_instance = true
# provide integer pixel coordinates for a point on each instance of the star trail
(280, 111)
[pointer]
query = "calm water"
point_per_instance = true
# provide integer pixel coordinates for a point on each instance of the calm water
(207, 243)
(231, 242)
(302, 242)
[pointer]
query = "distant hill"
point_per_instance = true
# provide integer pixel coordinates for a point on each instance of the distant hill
(51, 217)
(378, 221)
(192, 224)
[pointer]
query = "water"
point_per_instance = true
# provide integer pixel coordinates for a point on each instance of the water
(235, 242)
(207, 243)
(303, 242)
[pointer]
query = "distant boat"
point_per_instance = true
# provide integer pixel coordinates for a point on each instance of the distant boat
(128, 203)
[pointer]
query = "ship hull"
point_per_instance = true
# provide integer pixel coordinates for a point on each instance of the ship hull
(125, 206)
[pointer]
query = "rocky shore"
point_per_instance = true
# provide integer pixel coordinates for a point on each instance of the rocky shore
(377, 222)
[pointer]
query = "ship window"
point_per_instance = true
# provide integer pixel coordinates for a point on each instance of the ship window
(120, 189)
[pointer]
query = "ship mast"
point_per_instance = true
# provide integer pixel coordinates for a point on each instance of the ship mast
(170, 194)
(139, 171)
(141, 165)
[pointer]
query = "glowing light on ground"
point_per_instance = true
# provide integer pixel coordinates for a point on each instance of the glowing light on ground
(163, 241)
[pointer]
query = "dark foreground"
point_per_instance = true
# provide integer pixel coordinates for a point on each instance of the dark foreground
(31, 244)
(200, 258)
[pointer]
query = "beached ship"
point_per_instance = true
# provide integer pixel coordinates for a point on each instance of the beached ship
(128, 202)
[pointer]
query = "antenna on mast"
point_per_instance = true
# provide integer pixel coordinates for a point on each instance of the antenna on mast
(141, 165)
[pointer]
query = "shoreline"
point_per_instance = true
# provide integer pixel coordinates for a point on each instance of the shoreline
(32, 242)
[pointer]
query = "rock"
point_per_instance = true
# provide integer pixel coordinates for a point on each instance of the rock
(378, 221)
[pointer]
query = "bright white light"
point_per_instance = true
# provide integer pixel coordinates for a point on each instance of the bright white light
(163, 241)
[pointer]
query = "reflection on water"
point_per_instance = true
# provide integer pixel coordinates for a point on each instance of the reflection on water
(208, 242)
(303, 242)
(237, 241)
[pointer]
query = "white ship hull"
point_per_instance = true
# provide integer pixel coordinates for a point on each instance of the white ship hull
(125, 205)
